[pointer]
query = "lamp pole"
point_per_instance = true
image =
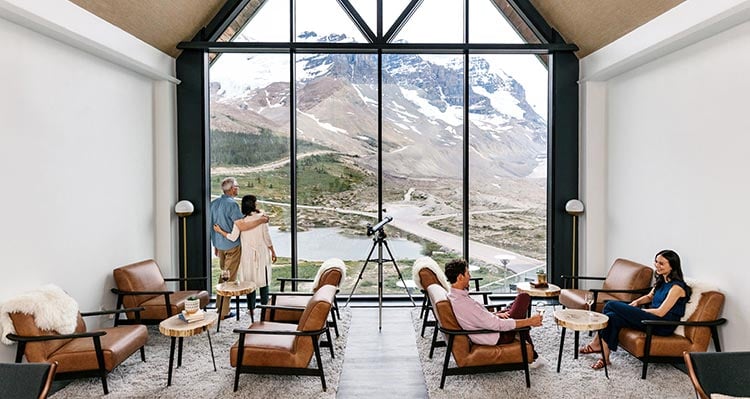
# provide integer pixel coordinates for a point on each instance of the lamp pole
(574, 208)
(183, 209)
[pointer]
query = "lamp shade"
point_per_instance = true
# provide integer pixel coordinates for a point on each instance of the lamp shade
(574, 207)
(184, 208)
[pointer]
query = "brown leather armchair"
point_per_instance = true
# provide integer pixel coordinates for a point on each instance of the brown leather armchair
(625, 281)
(141, 284)
(283, 348)
(699, 329)
(287, 307)
(470, 358)
(83, 353)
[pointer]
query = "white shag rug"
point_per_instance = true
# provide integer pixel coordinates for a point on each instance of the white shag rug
(575, 380)
(196, 377)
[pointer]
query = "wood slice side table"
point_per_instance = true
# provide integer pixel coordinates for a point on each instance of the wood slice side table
(551, 291)
(580, 320)
(175, 328)
(233, 289)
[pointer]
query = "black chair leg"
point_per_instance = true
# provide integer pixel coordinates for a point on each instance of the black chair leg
(424, 322)
(143, 354)
(333, 323)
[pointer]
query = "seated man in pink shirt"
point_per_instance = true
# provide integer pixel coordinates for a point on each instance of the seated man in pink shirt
(471, 315)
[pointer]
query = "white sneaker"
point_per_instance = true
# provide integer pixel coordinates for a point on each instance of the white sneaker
(539, 362)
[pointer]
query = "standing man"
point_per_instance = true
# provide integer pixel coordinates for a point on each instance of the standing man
(224, 212)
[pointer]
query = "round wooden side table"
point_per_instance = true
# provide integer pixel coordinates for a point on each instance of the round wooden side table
(579, 320)
(233, 289)
(551, 291)
(175, 328)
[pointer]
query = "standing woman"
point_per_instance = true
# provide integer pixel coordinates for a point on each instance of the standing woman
(667, 302)
(257, 250)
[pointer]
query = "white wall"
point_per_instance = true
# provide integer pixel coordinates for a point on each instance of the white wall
(675, 142)
(87, 162)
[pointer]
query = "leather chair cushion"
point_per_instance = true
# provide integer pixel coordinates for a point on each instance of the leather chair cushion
(299, 301)
(331, 276)
(286, 350)
(139, 276)
(427, 277)
(25, 325)
(482, 355)
(623, 275)
(117, 345)
(267, 350)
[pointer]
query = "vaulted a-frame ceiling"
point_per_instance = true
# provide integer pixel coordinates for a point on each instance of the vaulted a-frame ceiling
(590, 24)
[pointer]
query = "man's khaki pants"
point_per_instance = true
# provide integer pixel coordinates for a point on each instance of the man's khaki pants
(229, 260)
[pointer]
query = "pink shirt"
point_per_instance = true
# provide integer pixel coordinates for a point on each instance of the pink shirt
(471, 315)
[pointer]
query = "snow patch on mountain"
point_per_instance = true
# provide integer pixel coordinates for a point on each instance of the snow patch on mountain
(451, 116)
(324, 125)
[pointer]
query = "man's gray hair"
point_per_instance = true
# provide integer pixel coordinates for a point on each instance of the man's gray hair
(228, 183)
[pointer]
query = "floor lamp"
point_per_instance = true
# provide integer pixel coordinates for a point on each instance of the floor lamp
(574, 208)
(183, 209)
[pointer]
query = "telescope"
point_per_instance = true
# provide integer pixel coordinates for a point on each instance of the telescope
(374, 229)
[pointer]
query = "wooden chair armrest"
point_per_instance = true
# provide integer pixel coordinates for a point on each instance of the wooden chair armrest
(564, 277)
(243, 331)
(709, 323)
(289, 293)
(39, 338)
(103, 312)
(283, 281)
(121, 292)
(635, 291)
(467, 332)
(185, 278)
(277, 307)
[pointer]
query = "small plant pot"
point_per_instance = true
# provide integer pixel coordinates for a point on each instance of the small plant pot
(192, 305)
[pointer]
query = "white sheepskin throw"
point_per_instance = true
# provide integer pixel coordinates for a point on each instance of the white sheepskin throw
(53, 309)
(328, 264)
(429, 263)
(698, 288)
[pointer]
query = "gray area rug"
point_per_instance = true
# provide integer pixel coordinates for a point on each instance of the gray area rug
(575, 380)
(197, 378)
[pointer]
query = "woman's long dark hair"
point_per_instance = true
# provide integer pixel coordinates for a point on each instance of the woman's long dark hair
(248, 205)
(676, 273)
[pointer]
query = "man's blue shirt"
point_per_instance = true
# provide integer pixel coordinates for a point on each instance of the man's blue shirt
(224, 211)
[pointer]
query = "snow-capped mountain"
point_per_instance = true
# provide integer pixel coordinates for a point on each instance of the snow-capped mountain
(422, 109)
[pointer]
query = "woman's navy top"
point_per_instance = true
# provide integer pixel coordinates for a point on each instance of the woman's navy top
(678, 310)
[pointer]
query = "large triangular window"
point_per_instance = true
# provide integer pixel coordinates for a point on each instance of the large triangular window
(345, 122)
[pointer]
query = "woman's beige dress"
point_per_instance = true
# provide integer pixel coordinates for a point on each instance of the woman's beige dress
(255, 261)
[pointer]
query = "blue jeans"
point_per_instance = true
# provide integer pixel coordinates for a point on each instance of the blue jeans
(621, 315)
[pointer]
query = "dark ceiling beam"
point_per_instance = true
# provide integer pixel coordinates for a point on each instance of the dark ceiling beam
(535, 21)
(358, 21)
(222, 20)
(439, 48)
(401, 20)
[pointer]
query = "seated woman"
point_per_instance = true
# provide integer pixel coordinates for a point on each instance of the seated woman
(667, 302)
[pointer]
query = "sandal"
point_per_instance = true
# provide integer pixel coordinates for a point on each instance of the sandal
(586, 349)
(599, 364)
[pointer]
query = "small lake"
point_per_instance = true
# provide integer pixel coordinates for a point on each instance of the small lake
(328, 242)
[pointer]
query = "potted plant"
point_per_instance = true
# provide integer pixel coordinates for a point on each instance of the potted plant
(192, 304)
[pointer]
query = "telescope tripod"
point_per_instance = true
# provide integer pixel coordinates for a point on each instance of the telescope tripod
(379, 242)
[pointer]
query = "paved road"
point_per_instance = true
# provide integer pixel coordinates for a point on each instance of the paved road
(409, 218)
